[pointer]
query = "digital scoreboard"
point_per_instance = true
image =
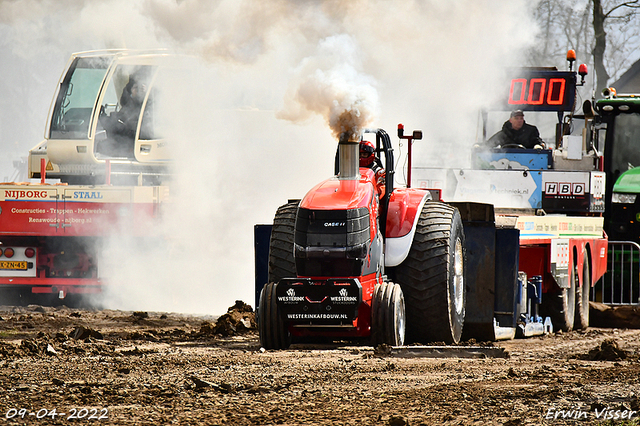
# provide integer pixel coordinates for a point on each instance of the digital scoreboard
(542, 91)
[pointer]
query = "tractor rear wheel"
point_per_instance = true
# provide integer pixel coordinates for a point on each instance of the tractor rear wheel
(432, 276)
(273, 331)
(281, 261)
(581, 320)
(388, 315)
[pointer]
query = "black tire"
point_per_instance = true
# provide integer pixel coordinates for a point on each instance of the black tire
(561, 306)
(581, 319)
(281, 261)
(271, 328)
(13, 297)
(432, 276)
(388, 315)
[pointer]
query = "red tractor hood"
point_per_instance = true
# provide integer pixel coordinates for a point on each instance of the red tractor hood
(335, 194)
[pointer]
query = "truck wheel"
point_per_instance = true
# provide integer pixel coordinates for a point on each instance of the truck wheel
(387, 315)
(432, 276)
(281, 261)
(581, 320)
(561, 306)
(273, 331)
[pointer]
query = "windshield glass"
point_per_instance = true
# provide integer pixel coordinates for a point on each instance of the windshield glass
(545, 122)
(122, 107)
(77, 97)
(626, 143)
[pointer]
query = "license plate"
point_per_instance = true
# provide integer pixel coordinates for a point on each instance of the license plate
(19, 265)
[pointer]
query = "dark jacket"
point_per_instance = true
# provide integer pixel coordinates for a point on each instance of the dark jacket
(527, 136)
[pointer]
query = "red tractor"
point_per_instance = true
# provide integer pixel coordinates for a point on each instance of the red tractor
(358, 258)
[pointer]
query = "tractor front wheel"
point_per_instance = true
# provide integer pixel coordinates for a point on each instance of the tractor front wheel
(388, 315)
(274, 333)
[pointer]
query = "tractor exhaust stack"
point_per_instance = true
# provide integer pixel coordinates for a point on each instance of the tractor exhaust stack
(349, 156)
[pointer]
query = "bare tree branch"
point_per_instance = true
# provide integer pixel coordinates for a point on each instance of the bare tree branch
(605, 33)
(635, 4)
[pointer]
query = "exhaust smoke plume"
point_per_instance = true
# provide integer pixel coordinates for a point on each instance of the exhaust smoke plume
(330, 84)
(273, 84)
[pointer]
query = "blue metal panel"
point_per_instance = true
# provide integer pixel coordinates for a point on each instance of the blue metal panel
(514, 159)
(261, 239)
(480, 266)
(507, 258)
(480, 235)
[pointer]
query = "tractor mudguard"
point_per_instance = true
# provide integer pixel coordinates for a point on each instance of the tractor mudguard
(405, 205)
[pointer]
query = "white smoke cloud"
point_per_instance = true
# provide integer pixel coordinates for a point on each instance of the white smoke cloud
(331, 83)
(253, 126)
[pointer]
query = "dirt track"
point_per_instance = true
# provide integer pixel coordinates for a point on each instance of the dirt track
(155, 368)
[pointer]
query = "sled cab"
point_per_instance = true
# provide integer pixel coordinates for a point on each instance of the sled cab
(104, 109)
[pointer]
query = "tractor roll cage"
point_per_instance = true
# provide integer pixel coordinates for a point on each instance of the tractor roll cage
(383, 144)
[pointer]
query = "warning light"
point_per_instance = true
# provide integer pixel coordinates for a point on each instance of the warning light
(582, 70)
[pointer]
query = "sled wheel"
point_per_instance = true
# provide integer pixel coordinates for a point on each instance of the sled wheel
(581, 320)
(561, 306)
(388, 315)
(281, 261)
(273, 331)
(432, 276)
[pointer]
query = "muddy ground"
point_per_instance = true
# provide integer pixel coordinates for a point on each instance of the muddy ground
(61, 365)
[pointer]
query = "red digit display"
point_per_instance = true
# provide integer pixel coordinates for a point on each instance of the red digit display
(537, 91)
(518, 88)
(556, 91)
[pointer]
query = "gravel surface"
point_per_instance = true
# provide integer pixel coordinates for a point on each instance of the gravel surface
(116, 367)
